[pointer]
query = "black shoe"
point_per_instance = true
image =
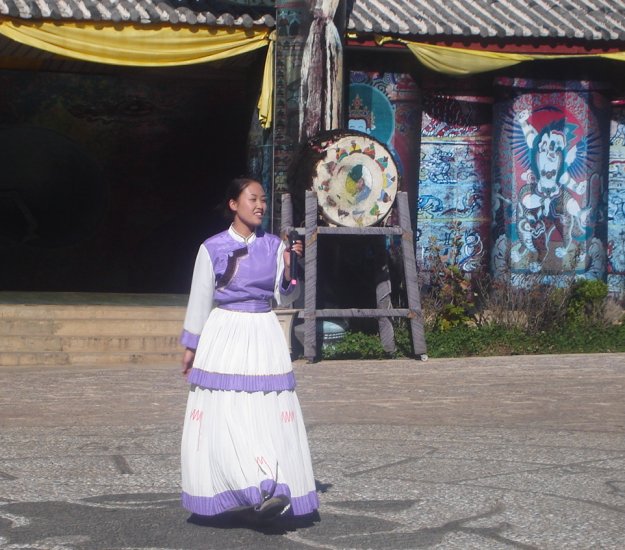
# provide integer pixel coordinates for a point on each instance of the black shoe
(272, 508)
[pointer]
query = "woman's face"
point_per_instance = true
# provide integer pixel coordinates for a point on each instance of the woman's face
(249, 208)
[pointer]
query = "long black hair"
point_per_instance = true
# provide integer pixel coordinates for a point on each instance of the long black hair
(233, 192)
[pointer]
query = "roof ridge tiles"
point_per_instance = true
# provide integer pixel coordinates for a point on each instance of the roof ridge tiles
(138, 11)
(125, 8)
(142, 12)
(487, 18)
(584, 20)
(43, 7)
(23, 9)
(85, 12)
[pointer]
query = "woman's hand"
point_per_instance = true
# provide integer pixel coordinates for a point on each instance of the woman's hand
(298, 248)
(187, 361)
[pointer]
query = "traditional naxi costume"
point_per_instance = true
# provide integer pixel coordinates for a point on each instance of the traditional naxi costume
(244, 439)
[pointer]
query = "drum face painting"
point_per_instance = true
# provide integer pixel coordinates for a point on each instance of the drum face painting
(356, 180)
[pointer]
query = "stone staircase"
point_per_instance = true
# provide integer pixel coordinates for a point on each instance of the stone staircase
(83, 329)
(84, 334)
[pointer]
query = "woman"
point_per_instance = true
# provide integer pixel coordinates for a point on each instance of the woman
(244, 444)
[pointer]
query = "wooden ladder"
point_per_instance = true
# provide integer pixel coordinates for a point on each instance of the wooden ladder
(384, 310)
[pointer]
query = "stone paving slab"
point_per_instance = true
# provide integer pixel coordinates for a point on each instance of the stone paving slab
(481, 453)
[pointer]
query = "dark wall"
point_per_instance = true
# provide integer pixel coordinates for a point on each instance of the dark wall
(110, 182)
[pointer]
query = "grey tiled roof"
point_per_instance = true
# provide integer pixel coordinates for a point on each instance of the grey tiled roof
(579, 20)
(582, 20)
(192, 12)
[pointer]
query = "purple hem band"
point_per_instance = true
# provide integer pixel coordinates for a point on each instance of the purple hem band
(250, 306)
(211, 506)
(189, 340)
(242, 382)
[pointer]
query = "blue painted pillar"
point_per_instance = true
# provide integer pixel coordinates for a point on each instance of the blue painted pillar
(616, 202)
(454, 181)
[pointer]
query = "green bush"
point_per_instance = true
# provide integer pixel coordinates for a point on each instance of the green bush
(403, 338)
(468, 317)
(466, 341)
(355, 345)
(449, 288)
(489, 340)
(359, 345)
(586, 303)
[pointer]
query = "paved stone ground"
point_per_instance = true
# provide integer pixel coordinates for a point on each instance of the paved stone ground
(481, 453)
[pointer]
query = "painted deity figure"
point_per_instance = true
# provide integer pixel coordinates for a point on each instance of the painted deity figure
(548, 202)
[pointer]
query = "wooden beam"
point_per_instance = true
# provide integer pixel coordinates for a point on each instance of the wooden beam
(359, 230)
(358, 312)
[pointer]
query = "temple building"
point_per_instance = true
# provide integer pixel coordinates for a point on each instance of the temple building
(121, 121)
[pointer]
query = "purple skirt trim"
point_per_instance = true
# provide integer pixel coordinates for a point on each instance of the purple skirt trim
(211, 506)
(242, 382)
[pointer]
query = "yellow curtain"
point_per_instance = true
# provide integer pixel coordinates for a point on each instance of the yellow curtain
(148, 46)
(616, 56)
(463, 61)
(265, 101)
(454, 61)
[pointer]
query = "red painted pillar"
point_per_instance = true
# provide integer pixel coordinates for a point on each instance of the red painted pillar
(549, 187)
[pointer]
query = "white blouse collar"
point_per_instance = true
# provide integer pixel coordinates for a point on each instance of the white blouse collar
(240, 238)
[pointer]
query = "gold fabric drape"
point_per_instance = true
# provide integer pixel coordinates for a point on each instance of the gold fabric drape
(149, 46)
(463, 61)
(454, 61)
(265, 101)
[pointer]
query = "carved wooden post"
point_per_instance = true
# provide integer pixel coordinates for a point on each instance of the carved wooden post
(310, 286)
(383, 294)
(410, 273)
(286, 215)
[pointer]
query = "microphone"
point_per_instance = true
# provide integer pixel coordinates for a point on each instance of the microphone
(293, 236)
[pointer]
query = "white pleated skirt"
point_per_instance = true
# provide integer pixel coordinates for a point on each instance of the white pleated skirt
(243, 435)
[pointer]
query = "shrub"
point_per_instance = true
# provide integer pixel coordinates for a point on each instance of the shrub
(355, 345)
(467, 341)
(530, 305)
(449, 289)
(473, 314)
(487, 340)
(360, 345)
(586, 303)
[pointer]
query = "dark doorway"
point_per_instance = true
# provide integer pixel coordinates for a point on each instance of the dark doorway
(112, 178)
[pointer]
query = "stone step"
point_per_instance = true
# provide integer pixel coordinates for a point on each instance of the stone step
(124, 358)
(72, 344)
(86, 358)
(11, 358)
(84, 334)
(53, 312)
(90, 327)
(87, 334)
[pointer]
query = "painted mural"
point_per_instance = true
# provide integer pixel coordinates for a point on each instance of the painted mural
(454, 181)
(548, 199)
(385, 106)
(616, 203)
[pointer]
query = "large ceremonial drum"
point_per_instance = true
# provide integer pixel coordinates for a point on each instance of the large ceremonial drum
(355, 178)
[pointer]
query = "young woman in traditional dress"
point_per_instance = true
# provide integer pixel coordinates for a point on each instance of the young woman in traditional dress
(244, 444)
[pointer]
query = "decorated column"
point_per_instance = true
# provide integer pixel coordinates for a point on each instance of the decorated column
(549, 181)
(293, 21)
(616, 202)
(454, 181)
